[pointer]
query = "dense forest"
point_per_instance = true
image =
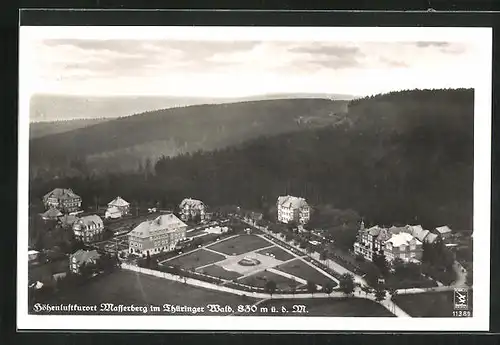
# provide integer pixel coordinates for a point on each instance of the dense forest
(404, 157)
(120, 145)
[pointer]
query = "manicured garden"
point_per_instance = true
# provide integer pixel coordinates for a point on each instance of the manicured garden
(239, 245)
(217, 271)
(195, 259)
(260, 279)
(300, 269)
(278, 253)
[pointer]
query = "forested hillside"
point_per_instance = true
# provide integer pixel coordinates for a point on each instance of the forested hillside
(404, 157)
(124, 144)
(42, 129)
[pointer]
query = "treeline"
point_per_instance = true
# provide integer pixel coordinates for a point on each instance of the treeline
(399, 160)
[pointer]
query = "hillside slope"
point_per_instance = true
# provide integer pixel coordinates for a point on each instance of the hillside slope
(405, 157)
(43, 129)
(123, 144)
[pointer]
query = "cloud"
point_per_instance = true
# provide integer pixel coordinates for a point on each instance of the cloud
(425, 44)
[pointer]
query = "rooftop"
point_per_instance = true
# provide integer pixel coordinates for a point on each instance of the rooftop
(52, 213)
(118, 201)
(402, 238)
(165, 222)
(443, 229)
(90, 220)
(82, 256)
(292, 201)
(61, 193)
(191, 203)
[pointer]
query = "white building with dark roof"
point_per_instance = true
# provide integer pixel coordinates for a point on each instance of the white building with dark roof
(80, 257)
(64, 199)
(158, 235)
(88, 228)
(117, 205)
(190, 209)
(292, 209)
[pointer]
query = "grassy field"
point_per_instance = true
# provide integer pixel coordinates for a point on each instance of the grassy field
(219, 272)
(279, 253)
(431, 304)
(302, 270)
(127, 288)
(195, 259)
(344, 307)
(260, 279)
(239, 245)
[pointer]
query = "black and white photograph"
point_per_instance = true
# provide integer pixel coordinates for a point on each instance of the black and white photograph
(254, 178)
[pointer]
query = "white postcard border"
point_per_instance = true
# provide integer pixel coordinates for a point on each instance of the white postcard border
(482, 181)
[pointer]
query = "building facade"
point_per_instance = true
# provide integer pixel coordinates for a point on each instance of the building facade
(80, 257)
(158, 235)
(63, 199)
(394, 242)
(190, 209)
(292, 209)
(88, 228)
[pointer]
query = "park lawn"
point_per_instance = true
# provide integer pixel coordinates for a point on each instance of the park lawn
(133, 288)
(338, 307)
(219, 272)
(239, 245)
(301, 269)
(261, 278)
(429, 304)
(195, 259)
(278, 253)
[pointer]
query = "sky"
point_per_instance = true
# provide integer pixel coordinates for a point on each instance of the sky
(236, 68)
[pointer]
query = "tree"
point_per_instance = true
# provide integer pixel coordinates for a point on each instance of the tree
(293, 286)
(346, 283)
(323, 255)
(311, 287)
(392, 292)
(366, 289)
(380, 294)
(270, 287)
(381, 263)
(469, 278)
(148, 259)
(328, 288)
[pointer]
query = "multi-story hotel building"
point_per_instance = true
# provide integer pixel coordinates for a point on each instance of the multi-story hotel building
(63, 199)
(395, 242)
(155, 236)
(88, 228)
(189, 209)
(292, 209)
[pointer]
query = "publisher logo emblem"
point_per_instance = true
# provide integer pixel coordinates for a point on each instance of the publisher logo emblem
(461, 299)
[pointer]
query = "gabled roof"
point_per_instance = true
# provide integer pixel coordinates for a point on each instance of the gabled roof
(61, 193)
(90, 220)
(188, 202)
(165, 222)
(52, 213)
(374, 230)
(292, 201)
(82, 256)
(431, 237)
(402, 238)
(418, 232)
(118, 201)
(443, 229)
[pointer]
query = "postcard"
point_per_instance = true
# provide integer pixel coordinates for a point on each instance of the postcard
(254, 178)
